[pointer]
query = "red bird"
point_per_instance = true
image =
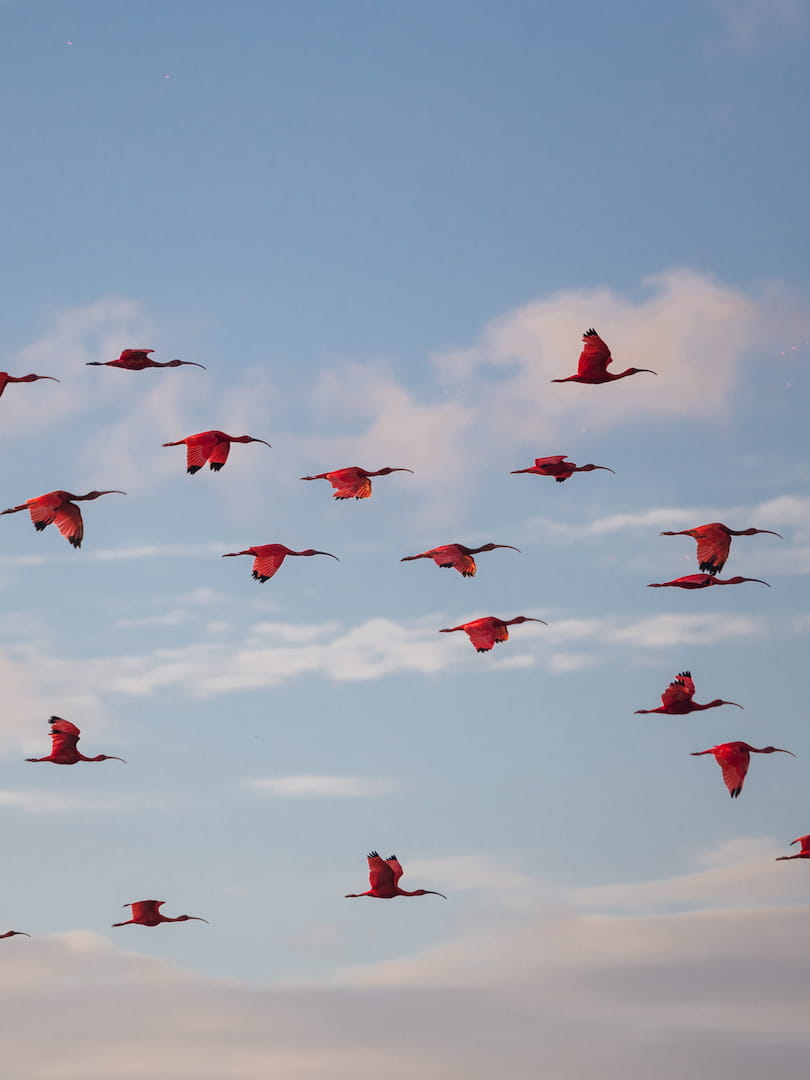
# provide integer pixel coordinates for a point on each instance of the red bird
(803, 854)
(733, 758)
(64, 737)
(352, 483)
(14, 933)
(559, 468)
(489, 631)
(703, 581)
(714, 541)
(146, 913)
(5, 379)
(383, 876)
(269, 558)
(58, 508)
(677, 698)
(138, 359)
(456, 556)
(210, 446)
(594, 360)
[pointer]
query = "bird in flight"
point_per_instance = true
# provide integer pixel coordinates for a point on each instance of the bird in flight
(677, 699)
(14, 933)
(559, 468)
(594, 360)
(269, 557)
(59, 508)
(489, 631)
(138, 359)
(733, 759)
(456, 556)
(714, 541)
(210, 446)
(64, 737)
(353, 482)
(804, 852)
(147, 913)
(702, 581)
(383, 877)
(5, 379)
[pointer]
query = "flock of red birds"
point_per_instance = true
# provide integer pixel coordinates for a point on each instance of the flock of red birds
(212, 448)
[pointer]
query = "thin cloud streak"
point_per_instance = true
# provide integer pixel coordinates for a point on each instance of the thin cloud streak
(310, 785)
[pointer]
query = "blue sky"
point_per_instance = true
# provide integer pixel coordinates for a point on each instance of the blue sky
(383, 231)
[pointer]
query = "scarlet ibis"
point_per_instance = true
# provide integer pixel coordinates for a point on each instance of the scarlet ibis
(58, 508)
(804, 853)
(559, 468)
(733, 758)
(269, 557)
(677, 698)
(14, 933)
(714, 541)
(489, 631)
(5, 379)
(138, 359)
(210, 446)
(383, 876)
(147, 913)
(594, 360)
(703, 581)
(64, 737)
(456, 556)
(353, 482)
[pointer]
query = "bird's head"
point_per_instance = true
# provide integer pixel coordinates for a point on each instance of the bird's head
(428, 892)
(249, 438)
(739, 581)
(753, 532)
(97, 495)
(526, 618)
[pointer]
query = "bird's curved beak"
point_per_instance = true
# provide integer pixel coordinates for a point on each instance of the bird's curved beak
(510, 546)
(605, 467)
(331, 556)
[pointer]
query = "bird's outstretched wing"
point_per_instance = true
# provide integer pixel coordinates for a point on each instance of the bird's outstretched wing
(64, 735)
(135, 354)
(712, 550)
(219, 455)
(396, 868)
(68, 520)
(349, 484)
(555, 459)
(380, 873)
(595, 356)
(264, 566)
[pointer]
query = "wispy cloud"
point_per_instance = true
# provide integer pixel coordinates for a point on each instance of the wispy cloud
(750, 25)
(310, 785)
(48, 802)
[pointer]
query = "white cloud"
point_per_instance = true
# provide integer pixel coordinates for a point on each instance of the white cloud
(48, 802)
(489, 400)
(624, 996)
(313, 785)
